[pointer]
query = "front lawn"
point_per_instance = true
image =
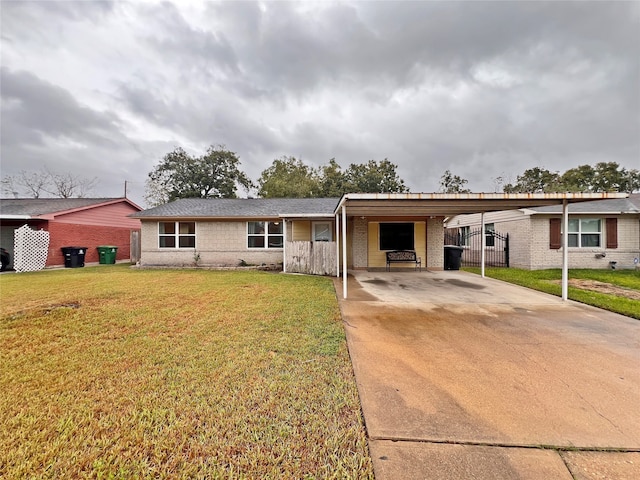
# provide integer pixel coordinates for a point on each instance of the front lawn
(109, 372)
(622, 298)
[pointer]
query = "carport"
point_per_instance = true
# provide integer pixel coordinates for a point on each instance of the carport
(430, 206)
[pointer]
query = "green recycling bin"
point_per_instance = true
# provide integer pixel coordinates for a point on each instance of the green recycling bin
(107, 254)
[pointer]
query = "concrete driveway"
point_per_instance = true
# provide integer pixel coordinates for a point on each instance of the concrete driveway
(464, 377)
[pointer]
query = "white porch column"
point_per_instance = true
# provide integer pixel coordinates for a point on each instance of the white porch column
(565, 249)
(284, 246)
(344, 251)
(337, 246)
(483, 245)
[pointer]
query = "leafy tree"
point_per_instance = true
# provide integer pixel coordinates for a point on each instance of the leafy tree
(578, 179)
(333, 182)
(216, 174)
(289, 177)
(535, 180)
(450, 183)
(610, 177)
(374, 177)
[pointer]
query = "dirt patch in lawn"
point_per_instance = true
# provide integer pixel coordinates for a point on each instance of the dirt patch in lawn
(602, 287)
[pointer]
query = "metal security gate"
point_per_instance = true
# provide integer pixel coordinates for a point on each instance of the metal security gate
(496, 248)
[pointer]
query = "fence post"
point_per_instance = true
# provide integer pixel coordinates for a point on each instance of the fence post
(506, 250)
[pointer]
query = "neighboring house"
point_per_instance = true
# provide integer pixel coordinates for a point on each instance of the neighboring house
(233, 232)
(83, 222)
(602, 233)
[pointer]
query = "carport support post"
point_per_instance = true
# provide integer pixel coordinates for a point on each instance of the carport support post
(565, 249)
(344, 251)
(483, 244)
(337, 246)
(284, 246)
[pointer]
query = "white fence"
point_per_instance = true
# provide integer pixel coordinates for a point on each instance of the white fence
(30, 249)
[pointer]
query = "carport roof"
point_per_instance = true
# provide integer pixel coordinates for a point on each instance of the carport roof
(450, 204)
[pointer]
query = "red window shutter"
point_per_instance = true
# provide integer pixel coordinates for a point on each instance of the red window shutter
(555, 237)
(612, 233)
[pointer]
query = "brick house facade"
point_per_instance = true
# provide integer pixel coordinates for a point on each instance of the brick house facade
(601, 232)
(82, 222)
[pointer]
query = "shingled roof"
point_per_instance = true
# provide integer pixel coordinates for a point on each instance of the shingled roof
(611, 206)
(241, 208)
(36, 207)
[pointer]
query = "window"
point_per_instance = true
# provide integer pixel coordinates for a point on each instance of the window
(322, 232)
(465, 236)
(585, 232)
(264, 235)
(396, 236)
(489, 232)
(177, 234)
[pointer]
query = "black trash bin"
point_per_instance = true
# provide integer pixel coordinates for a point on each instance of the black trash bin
(452, 257)
(74, 256)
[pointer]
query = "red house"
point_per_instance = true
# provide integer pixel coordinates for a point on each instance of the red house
(85, 222)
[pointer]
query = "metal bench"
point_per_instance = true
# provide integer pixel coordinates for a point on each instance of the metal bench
(403, 256)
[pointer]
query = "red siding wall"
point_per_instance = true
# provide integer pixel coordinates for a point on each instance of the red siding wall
(114, 215)
(74, 235)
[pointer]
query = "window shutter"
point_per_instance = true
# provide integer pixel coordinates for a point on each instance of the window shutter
(555, 236)
(612, 233)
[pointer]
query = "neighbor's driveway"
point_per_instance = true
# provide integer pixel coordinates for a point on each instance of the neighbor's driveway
(460, 377)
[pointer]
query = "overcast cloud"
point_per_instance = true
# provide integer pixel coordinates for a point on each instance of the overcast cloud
(485, 89)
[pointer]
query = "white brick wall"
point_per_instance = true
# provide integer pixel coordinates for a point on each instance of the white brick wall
(360, 242)
(435, 243)
(529, 242)
(217, 243)
(628, 247)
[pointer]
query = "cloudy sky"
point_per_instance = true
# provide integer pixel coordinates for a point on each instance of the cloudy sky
(485, 89)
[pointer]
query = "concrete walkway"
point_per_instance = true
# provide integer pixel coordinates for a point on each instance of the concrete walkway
(463, 377)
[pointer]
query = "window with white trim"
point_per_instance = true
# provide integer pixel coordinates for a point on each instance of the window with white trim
(585, 232)
(465, 236)
(489, 234)
(265, 235)
(322, 231)
(177, 234)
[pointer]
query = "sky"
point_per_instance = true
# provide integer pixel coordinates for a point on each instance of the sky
(484, 89)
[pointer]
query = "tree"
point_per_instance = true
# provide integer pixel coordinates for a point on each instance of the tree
(69, 186)
(289, 177)
(374, 177)
(535, 180)
(610, 177)
(46, 183)
(333, 182)
(216, 174)
(450, 183)
(603, 177)
(578, 179)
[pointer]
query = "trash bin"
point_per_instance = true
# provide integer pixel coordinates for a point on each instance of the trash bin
(107, 254)
(452, 257)
(74, 256)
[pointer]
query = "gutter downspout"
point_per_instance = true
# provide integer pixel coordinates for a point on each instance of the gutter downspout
(565, 249)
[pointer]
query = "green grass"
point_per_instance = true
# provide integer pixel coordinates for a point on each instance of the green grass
(109, 372)
(549, 281)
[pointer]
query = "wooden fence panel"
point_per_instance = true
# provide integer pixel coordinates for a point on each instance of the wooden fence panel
(318, 258)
